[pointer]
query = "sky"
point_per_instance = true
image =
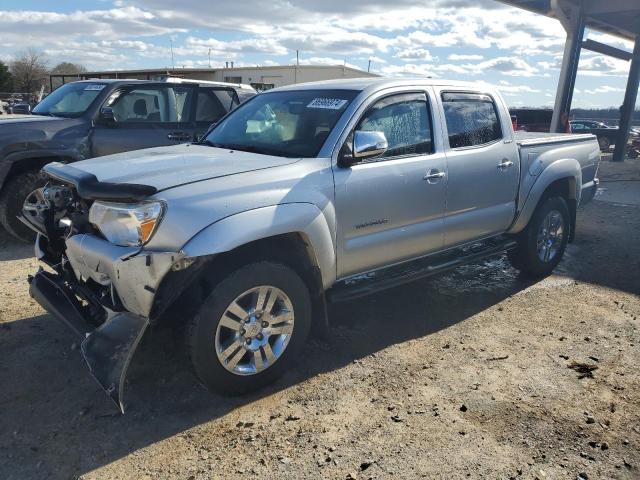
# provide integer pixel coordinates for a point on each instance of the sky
(474, 40)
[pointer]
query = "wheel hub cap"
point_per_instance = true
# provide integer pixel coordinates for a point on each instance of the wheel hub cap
(254, 330)
(550, 236)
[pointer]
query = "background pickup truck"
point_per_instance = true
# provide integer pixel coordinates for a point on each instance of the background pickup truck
(302, 195)
(92, 118)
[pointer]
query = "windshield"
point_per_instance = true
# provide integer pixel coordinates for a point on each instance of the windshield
(70, 100)
(292, 123)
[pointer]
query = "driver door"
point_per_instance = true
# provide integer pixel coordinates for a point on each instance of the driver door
(391, 208)
(145, 116)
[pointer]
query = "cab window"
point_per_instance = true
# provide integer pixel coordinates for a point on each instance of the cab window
(152, 104)
(405, 121)
(472, 119)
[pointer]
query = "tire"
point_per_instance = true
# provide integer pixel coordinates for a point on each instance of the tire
(604, 143)
(215, 341)
(12, 197)
(530, 257)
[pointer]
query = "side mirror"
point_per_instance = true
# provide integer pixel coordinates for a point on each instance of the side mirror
(106, 115)
(368, 144)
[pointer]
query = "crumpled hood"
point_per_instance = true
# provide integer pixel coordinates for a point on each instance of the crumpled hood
(167, 167)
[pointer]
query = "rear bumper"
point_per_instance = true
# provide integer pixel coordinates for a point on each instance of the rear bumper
(107, 349)
(589, 191)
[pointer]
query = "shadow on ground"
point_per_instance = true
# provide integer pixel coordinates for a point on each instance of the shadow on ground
(12, 249)
(43, 377)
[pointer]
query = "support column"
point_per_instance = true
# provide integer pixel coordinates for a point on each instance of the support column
(629, 104)
(570, 17)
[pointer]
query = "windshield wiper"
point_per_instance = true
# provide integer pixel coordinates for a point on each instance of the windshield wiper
(250, 149)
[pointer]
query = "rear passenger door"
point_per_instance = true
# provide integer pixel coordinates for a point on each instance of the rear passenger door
(145, 115)
(212, 104)
(483, 166)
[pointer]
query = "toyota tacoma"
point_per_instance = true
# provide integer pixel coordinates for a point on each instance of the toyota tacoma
(303, 195)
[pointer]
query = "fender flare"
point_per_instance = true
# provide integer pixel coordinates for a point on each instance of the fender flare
(52, 155)
(245, 227)
(558, 170)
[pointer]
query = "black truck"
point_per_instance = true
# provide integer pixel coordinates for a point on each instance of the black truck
(91, 118)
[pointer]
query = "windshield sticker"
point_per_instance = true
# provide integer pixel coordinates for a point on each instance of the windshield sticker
(94, 87)
(330, 103)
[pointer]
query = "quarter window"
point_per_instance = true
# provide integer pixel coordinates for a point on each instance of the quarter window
(472, 119)
(405, 121)
(213, 104)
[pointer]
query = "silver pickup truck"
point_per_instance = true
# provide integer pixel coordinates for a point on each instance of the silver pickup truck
(303, 195)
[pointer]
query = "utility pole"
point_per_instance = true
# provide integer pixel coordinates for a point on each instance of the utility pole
(369, 66)
(173, 65)
(209, 58)
(295, 70)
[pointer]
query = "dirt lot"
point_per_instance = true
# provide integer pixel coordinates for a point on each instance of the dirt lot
(462, 376)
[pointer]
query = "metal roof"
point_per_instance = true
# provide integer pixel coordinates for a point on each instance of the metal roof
(617, 17)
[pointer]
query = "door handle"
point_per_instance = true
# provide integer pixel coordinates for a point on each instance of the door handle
(179, 136)
(505, 164)
(434, 175)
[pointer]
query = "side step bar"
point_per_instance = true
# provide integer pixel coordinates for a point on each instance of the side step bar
(389, 277)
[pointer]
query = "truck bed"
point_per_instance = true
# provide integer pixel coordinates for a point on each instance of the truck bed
(541, 138)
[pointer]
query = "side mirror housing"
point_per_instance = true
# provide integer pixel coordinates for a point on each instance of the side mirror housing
(106, 115)
(368, 144)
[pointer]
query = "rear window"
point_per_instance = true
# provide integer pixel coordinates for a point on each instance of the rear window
(472, 119)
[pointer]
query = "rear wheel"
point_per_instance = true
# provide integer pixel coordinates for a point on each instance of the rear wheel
(250, 328)
(14, 194)
(542, 244)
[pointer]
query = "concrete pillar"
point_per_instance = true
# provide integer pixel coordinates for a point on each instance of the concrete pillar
(570, 17)
(629, 104)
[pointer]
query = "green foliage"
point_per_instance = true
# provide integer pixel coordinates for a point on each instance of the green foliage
(6, 80)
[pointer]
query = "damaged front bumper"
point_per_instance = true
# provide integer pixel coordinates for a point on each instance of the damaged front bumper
(110, 336)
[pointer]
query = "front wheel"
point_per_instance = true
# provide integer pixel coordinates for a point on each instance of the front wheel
(542, 243)
(250, 328)
(19, 191)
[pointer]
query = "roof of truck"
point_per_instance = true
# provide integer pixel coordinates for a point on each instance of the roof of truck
(165, 80)
(377, 83)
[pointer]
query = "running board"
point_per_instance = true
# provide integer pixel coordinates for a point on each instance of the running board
(389, 277)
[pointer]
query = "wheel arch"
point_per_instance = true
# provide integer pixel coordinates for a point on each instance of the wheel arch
(249, 237)
(16, 164)
(562, 178)
(302, 221)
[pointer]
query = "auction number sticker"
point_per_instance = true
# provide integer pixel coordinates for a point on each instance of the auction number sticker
(329, 103)
(94, 87)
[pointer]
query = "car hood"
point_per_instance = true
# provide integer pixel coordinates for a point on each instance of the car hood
(167, 167)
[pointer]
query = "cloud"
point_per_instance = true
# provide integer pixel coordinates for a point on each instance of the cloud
(603, 89)
(510, 66)
(602, 66)
(409, 70)
(414, 53)
(455, 57)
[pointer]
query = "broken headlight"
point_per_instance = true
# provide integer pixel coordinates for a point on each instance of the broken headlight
(127, 224)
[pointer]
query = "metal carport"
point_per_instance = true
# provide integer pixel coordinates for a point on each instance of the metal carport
(616, 17)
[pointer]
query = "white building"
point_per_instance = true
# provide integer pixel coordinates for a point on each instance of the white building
(261, 78)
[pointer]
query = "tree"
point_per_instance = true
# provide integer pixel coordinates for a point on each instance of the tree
(68, 68)
(29, 71)
(6, 80)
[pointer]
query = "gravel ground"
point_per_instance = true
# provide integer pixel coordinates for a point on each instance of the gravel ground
(466, 375)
